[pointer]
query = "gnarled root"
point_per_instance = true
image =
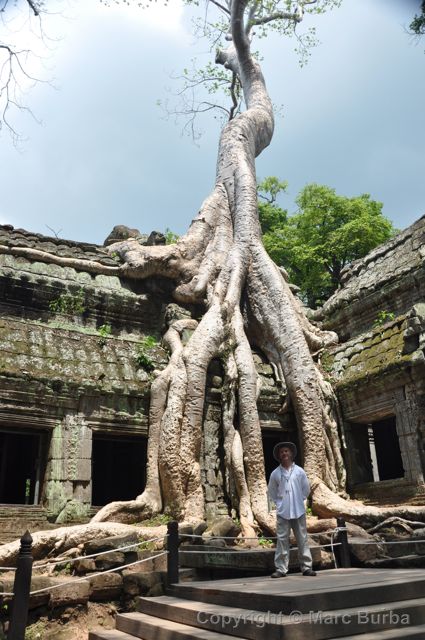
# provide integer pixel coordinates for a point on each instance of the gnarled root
(327, 504)
(53, 542)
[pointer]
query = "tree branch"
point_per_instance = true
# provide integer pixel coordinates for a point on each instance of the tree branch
(220, 6)
(34, 7)
(277, 15)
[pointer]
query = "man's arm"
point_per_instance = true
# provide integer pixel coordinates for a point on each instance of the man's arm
(273, 486)
(305, 485)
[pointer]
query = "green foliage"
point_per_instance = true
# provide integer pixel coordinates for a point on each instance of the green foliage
(265, 542)
(215, 89)
(68, 303)
(156, 521)
(417, 26)
(36, 631)
(65, 568)
(115, 256)
(327, 233)
(383, 317)
(149, 342)
(143, 358)
(271, 215)
(146, 546)
(104, 331)
(170, 236)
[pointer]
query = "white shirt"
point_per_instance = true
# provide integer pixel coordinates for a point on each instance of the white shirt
(288, 488)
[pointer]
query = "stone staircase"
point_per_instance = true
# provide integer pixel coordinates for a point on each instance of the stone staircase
(15, 519)
(354, 604)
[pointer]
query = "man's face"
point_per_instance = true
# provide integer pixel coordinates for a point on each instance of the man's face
(285, 455)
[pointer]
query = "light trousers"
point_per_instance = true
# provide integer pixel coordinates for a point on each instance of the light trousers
(281, 556)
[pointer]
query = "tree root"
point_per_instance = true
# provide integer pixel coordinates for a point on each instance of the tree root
(53, 542)
(411, 524)
(327, 504)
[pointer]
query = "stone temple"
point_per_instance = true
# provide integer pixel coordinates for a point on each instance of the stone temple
(77, 354)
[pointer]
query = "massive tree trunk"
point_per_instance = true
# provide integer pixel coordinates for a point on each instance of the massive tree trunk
(221, 265)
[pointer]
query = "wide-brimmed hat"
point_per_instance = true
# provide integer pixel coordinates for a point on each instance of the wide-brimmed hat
(279, 445)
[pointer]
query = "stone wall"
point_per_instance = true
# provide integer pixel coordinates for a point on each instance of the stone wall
(378, 369)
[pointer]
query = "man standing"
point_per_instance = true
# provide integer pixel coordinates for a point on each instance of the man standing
(288, 488)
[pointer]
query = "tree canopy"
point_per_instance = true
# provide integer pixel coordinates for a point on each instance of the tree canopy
(417, 26)
(326, 233)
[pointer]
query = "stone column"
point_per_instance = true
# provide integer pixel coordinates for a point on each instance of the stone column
(211, 474)
(408, 430)
(67, 492)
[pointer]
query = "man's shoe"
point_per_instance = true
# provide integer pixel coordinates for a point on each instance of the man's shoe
(309, 572)
(278, 574)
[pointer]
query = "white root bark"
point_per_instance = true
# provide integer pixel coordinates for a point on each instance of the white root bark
(54, 542)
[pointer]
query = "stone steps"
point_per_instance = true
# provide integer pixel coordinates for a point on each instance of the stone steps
(139, 625)
(360, 587)
(259, 624)
(412, 633)
(15, 519)
(343, 604)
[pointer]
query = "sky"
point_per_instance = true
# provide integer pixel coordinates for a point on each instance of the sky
(105, 154)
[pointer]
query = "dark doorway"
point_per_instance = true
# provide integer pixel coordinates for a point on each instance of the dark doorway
(383, 436)
(119, 468)
(375, 452)
(21, 467)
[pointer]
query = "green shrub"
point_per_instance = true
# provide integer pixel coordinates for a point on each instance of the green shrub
(68, 303)
(143, 358)
(383, 317)
(104, 332)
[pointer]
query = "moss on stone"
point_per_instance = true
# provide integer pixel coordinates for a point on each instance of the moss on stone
(381, 353)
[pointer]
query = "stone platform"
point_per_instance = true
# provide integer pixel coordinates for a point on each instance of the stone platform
(361, 604)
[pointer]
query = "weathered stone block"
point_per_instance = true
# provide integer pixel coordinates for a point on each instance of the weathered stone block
(59, 469)
(106, 586)
(110, 560)
(223, 527)
(83, 471)
(57, 494)
(110, 544)
(139, 583)
(70, 595)
(84, 566)
(73, 511)
(56, 445)
(156, 590)
(82, 492)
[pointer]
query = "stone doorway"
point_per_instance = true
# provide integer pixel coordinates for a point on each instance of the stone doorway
(385, 450)
(22, 462)
(375, 452)
(118, 468)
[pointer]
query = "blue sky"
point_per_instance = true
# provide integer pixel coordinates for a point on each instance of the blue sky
(105, 155)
